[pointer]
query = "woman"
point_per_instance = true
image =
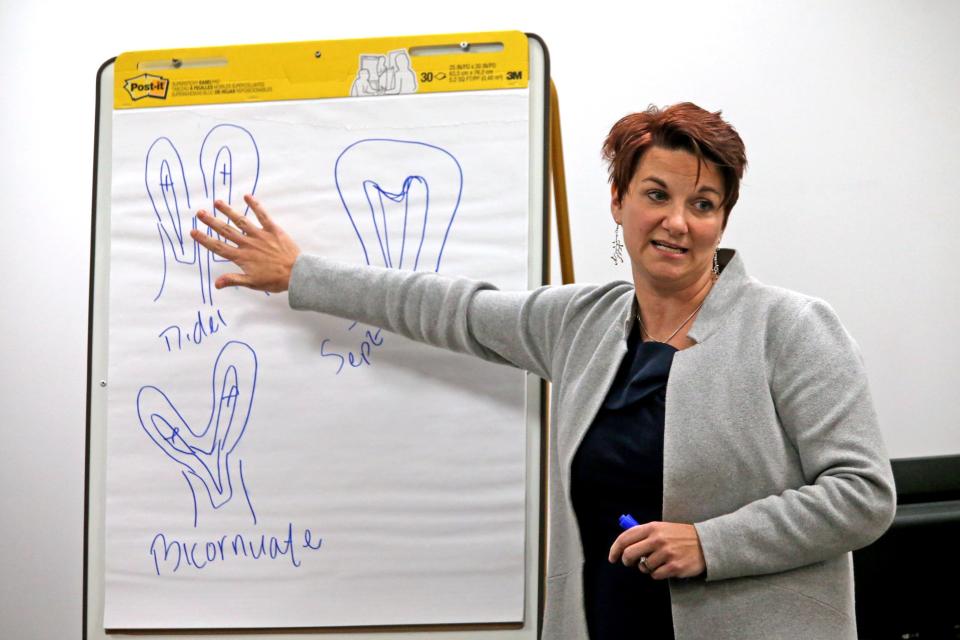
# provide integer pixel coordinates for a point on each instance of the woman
(731, 418)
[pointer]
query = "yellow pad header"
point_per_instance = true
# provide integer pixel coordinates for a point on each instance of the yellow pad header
(321, 69)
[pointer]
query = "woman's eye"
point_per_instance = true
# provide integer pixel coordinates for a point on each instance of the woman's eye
(704, 205)
(656, 195)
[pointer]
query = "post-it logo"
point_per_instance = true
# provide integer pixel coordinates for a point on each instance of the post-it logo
(147, 85)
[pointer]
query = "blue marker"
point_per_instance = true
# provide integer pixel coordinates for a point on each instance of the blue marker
(627, 521)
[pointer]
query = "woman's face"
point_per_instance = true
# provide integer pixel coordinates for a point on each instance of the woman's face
(671, 222)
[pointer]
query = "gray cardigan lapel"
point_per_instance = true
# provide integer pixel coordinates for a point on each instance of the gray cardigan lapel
(600, 374)
(592, 385)
(721, 298)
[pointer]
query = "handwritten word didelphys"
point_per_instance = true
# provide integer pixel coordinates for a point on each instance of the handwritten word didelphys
(204, 325)
(170, 555)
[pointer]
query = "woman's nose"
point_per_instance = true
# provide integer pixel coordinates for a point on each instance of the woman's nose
(675, 220)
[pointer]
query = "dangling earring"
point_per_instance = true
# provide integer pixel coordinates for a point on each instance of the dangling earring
(617, 256)
(716, 262)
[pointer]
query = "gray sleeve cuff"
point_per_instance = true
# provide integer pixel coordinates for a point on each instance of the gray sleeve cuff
(312, 282)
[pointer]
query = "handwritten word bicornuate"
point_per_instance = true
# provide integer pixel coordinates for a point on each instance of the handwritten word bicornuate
(171, 555)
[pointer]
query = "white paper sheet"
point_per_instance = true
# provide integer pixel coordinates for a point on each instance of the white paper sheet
(271, 468)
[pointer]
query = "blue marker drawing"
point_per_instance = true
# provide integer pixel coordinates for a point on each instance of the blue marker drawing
(219, 167)
(401, 197)
(370, 339)
(229, 165)
(167, 189)
(401, 210)
(171, 554)
(205, 454)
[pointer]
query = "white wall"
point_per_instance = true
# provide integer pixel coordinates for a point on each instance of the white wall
(849, 112)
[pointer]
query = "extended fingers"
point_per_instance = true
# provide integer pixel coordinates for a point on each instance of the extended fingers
(259, 211)
(233, 234)
(222, 249)
(233, 280)
(235, 217)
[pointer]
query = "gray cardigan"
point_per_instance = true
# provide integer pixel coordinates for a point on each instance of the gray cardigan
(771, 448)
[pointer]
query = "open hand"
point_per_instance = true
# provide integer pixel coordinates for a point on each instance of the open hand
(661, 549)
(265, 254)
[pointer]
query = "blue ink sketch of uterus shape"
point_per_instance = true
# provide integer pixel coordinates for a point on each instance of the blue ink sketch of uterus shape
(229, 163)
(205, 454)
(402, 197)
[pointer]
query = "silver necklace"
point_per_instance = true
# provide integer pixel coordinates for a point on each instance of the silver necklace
(644, 329)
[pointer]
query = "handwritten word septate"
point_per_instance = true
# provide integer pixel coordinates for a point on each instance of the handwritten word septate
(204, 325)
(171, 555)
(358, 358)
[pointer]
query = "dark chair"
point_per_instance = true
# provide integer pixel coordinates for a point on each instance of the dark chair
(908, 581)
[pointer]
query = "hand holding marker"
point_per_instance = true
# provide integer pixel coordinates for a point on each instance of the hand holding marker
(627, 521)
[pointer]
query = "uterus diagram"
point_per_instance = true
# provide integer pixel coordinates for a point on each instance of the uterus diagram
(202, 447)
(228, 166)
(402, 199)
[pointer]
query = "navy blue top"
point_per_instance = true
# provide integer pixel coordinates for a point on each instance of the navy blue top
(618, 468)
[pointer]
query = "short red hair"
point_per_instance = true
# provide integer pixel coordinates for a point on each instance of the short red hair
(681, 126)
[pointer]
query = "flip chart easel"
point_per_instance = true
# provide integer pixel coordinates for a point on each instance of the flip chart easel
(268, 504)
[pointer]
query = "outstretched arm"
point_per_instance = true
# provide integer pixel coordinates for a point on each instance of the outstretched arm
(515, 328)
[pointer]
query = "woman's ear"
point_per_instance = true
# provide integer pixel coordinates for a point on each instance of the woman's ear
(615, 204)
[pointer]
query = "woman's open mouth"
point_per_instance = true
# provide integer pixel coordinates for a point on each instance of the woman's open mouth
(668, 248)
